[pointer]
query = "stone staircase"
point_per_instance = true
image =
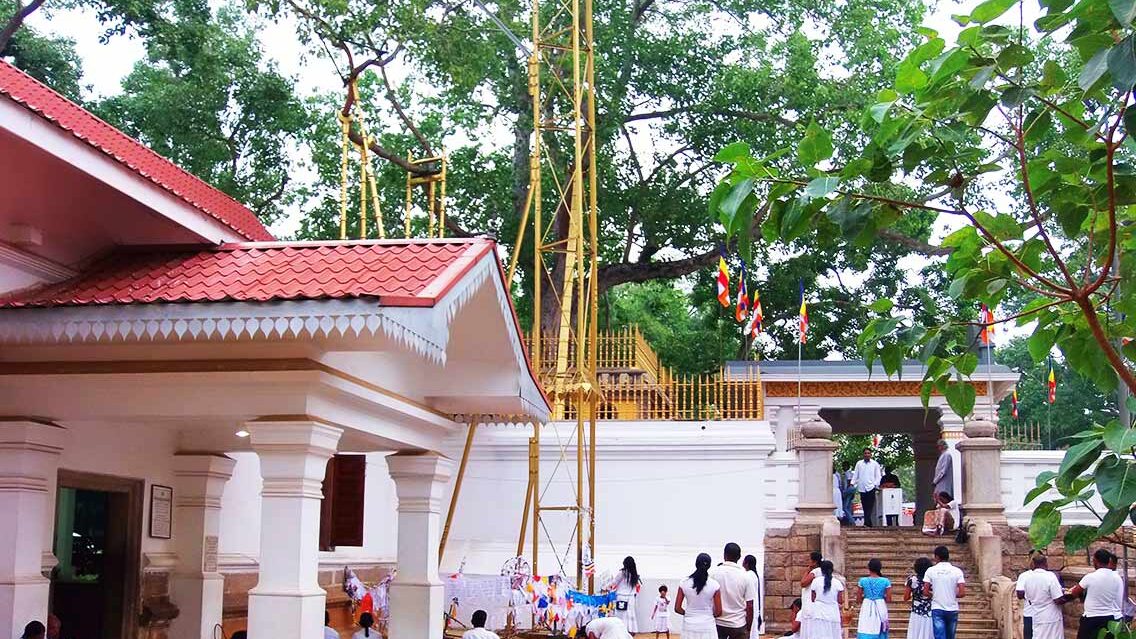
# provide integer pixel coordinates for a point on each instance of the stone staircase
(898, 548)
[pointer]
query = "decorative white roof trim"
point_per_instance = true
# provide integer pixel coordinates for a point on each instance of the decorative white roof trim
(225, 320)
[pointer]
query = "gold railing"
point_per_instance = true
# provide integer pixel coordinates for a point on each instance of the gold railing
(626, 349)
(681, 397)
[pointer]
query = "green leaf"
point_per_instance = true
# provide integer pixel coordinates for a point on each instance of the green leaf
(990, 10)
(882, 305)
(1035, 492)
(1078, 537)
(1113, 520)
(1014, 56)
(733, 200)
(1116, 480)
(891, 356)
(1093, 70)
(1119, 439)
(1044, 477)
(816, 146)
(821, 186)
(1041, 343)
(733, 153)
(1124, 10)
(879, 111)
(715, 205)
(1078, 459)
(1044, 524)
(909, 78)
(1122, 64)
(966, 364)
(978, 82)
(960, 397)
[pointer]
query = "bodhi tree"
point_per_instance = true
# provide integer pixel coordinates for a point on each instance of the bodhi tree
(1017, 139)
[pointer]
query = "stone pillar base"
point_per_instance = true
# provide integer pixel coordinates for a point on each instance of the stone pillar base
(284, 614)
(419, 608)
(982, 473)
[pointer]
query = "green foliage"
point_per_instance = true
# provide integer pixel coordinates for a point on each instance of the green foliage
(894, 453)
(52, 61)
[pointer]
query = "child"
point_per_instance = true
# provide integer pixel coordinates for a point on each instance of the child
(661, 614)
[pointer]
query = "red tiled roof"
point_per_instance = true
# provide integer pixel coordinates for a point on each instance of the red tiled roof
(70, 117)
(397, 272)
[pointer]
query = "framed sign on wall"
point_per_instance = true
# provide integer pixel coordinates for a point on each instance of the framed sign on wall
(161, 511)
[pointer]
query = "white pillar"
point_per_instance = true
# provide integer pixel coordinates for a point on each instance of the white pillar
(982, 472)
(29, 462)
(196, 587)
(288, 602)
(416, 594)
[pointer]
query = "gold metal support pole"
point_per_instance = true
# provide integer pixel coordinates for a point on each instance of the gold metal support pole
(406, 216)
(534, 470)
(528, 506)
(433, 208)
(580, 496)
(457, 489)
(442, 200)
(363, 188)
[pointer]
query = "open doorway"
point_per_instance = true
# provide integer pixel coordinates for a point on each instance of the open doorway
(98, 535)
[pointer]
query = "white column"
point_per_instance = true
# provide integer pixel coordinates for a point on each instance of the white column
(29, 462)
(288, 602)
(416, 594)
(196, 587)
(982, 472)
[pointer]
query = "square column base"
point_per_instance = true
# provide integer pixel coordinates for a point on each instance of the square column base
(201, 595)
(414, 610)
(25, 601)
(286, 614)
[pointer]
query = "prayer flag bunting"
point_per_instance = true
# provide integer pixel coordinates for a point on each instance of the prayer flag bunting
(741, 312)
(723, 280)
(1014, 404)
(803, 322)
(987, 320)
(1052, 384)
(753, 329)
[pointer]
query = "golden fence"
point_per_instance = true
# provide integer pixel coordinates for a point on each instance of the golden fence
(681, 398)
(626, 349)
(1025, 436)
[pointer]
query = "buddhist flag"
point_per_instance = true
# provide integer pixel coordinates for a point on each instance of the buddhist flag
(1014, 404)
(742, 310)
(753, 329)
(1052, 383)
(723, 280)
(987, 320)
(803, 322)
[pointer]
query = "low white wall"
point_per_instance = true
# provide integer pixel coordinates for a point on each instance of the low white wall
(239, 542)
(667, 491)
(1020, 469)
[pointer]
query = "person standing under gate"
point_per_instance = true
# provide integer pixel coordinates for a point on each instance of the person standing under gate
(1042, 593)
(944, 478)
(1102, 596)
(945, 584)
(738, 594)
(868, 474)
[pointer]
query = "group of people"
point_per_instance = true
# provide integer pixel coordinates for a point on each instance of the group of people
(1042, 595)
(934, 590)
(865, 479)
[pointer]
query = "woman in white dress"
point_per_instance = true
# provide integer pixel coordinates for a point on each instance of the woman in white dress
(606, 628)
(626, 587)
(821, 619)
(749, 564)
(699, 601)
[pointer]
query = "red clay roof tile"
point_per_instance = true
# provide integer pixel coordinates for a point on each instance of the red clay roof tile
(70, 117)
(397, 272)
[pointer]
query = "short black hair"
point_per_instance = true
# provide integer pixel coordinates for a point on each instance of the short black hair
(240, 634)
(942, 553)
(816, 557)
(33, 630)
(796, 603)
(867, 449)
(479, 618)
(732, 552)
(663, 588)
(1102, 556)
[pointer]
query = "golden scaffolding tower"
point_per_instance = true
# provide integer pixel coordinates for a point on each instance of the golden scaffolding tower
(562, 172)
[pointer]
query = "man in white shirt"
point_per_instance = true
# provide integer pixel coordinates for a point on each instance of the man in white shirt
(945, 584)
(738, 595)
(478, 631)
(867, 476)
(1042, 594)
(1102, 596)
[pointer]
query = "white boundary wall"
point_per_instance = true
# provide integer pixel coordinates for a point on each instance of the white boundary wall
(1020, 469)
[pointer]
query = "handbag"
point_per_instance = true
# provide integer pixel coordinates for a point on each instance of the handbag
(621, 606)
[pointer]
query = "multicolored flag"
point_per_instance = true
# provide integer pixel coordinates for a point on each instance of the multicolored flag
(803, 321)
(1014, 404)
(1052, 383)
(987, 320)
(723, 280)
(742, 310)
(753, 329)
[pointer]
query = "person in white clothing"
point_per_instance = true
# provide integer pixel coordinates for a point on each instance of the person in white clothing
(945, 585)
(626, 587)
(867, 476)
(699, 601)
(1101, 588)
(328, 631)
(813, 572)
(606, 628)
(478, 630)
(749, 563)
(366, 620)
(822, 620)
(661, 614)
(795, 624)
(738, 594)
(1042, 594)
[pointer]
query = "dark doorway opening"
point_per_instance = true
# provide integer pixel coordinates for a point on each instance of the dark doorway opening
(98, 535)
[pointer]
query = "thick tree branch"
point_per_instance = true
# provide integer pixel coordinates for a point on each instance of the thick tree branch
(917, 245)
(16, 20)
(393, 99)
(259, 207)
(741, 114)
